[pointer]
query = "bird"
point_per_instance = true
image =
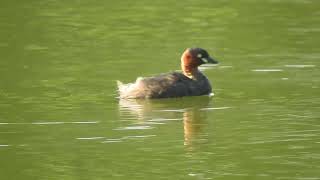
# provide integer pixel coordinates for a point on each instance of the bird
(189, 82)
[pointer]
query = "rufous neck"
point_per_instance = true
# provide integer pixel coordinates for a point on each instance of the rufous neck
(190, 71)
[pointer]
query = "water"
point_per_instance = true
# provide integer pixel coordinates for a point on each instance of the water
(60, 118)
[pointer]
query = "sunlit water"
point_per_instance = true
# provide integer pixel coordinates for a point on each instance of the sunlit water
(59, 113)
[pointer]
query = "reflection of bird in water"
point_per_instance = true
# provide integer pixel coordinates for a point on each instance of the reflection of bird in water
(193, 124)
(187, 109)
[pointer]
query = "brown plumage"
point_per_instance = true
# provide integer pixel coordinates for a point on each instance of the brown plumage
(191, 82)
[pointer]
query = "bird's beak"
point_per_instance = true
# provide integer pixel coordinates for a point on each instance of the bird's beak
(210, 60)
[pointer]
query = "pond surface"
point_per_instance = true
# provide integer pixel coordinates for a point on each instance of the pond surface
(60, 117)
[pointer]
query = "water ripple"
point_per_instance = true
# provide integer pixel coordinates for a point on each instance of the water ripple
(172, 110)
(51, 123)
(90, 138)
(267, 70)
(214, 108)
(282, 140)
(134, 128)
(4, 145)
(112, 140)
(300, 65)
(165, 119)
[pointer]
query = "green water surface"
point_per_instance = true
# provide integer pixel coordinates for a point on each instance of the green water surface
(60, 118)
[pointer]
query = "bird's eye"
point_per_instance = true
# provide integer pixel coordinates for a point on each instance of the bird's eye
(199, 55)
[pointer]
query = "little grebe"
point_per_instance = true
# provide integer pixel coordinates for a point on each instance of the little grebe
(191, 82)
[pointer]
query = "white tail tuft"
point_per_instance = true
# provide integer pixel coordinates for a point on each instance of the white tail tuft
(120, 84)
(127, 90)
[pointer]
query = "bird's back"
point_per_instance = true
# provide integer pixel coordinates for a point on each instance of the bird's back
(167, 85)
